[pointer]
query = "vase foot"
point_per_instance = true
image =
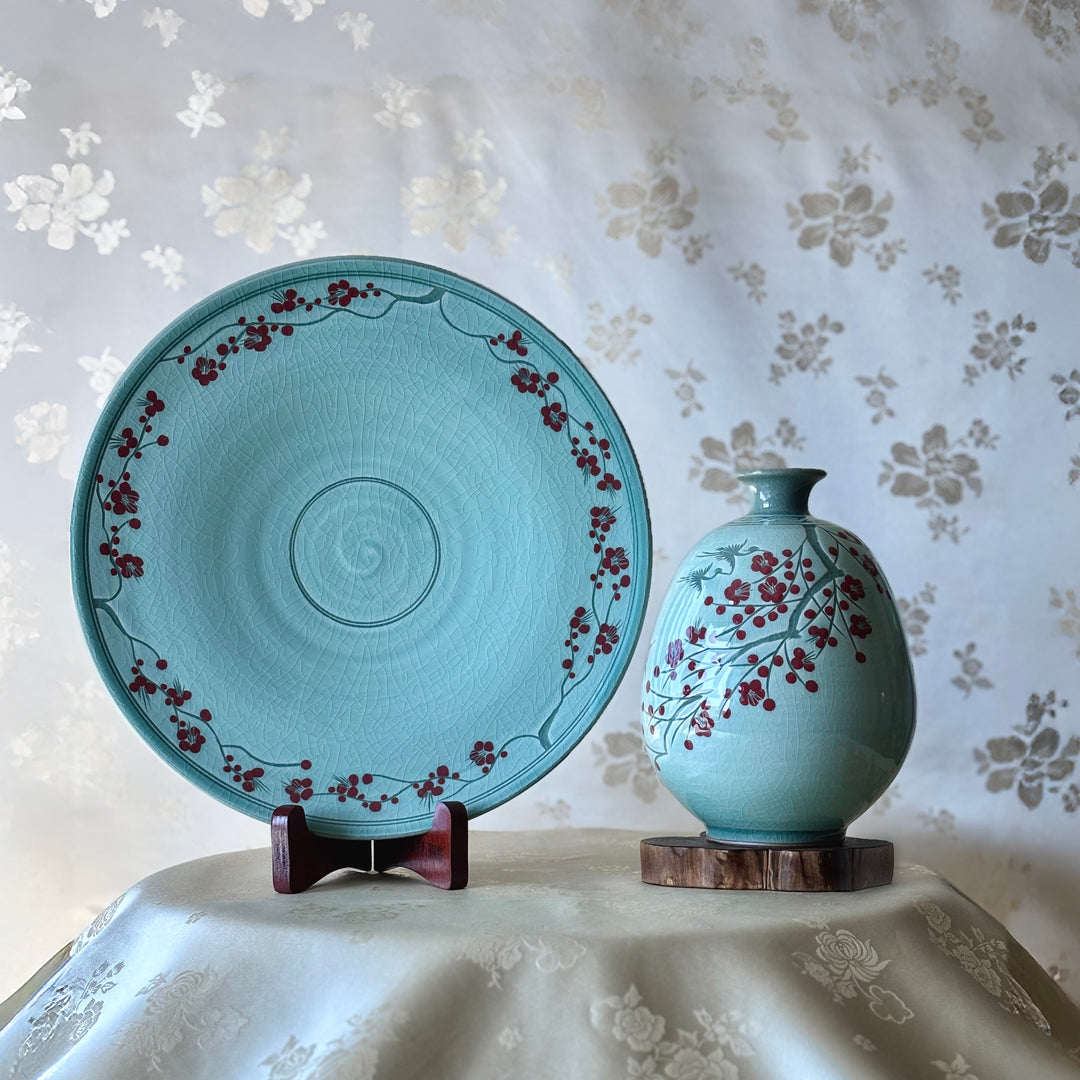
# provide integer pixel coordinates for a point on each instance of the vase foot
(768, 838)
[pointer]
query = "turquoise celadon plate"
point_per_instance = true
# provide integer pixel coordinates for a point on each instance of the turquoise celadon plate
(359, 534)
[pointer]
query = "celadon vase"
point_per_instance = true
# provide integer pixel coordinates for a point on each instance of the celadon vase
(778, 700)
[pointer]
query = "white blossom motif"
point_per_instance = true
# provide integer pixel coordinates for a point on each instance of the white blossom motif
(69, 201)
(81, 140)
(491, 11)
(11, 87)
(103, 7)
(566, 75)
(614, 338)
(42, 429)
(200, 112)
(12, 324)
(668, 26)
(265, 203)
(169, 261)
(82, 723)
(550, 953)
(166, 21)
(458, 199)
(104, 371)
(560, 267)
(706, 1053)
(179, 1008)
(357, 24)
(14, 631)
(957, 1069)
(298, 9)
(397, 104)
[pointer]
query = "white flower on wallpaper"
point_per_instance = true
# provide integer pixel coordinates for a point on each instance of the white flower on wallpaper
(169, 261)
(358, 25)
(13, 325)
(81, 140)
(104, 371)
(200, 112)
(265, 203)
(560, 267)
(565, 75)
(397, 108)
(166, 21)
(103, 7)
(491, 11)
(83, 722)
(613, 338)
(42, 430)
(15, 630)
(298, 9)
(458, 199)
(67, 203)
(11, 87)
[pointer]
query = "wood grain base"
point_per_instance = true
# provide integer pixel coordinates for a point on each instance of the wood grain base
(300, 857)
(695, 862)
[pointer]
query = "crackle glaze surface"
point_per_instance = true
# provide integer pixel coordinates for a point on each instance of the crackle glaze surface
(360, 534)
(778, 700)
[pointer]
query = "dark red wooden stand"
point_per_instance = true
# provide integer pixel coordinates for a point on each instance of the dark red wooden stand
(301, 858)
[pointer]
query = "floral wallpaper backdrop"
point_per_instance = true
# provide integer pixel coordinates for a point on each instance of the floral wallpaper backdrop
(836, 233)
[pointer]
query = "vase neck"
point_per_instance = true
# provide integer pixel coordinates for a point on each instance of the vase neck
(781, 491)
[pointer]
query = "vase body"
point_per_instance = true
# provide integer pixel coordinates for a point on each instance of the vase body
(778, 700)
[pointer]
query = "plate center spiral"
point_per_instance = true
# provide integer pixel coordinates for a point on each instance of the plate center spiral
(364, 551)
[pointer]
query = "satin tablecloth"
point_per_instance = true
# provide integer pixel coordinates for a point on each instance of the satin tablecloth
(556, 961)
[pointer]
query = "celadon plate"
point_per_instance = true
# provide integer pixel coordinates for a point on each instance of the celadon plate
(359, 534)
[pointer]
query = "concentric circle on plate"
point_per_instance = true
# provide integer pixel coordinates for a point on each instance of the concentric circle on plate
(360, 534)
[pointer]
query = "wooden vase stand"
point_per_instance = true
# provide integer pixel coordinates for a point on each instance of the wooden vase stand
(301, 858)
(695, 862)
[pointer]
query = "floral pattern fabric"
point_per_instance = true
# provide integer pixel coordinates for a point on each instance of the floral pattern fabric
(790, 233)
(555, 961)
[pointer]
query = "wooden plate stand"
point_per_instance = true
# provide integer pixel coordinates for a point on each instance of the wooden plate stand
(695, 862)
(301, 858)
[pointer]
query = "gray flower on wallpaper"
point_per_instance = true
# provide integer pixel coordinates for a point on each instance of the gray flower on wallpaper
(1056, 23)
(877, 397)
(943, 84)
(12, 86)
(1043, 215)
(914, 617)
(846, 216)
(566, 75)
(668, 26)
(801, 346)
(1067, 602)
(613, 338)
(753, 276)
(622, 756)
(652, 207)
(1068, 392)
(265, 202)
(1036, 759)
(686, 384)
(754, 83)
(996, 346)
(971, 675)
(949, 280)
(745, 453)
(938, 473)
(866, 25)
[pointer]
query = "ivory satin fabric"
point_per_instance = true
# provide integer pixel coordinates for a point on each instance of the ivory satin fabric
(555, 962)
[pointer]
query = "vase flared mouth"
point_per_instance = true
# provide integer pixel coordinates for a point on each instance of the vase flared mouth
(780, 491)
(813, 475)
